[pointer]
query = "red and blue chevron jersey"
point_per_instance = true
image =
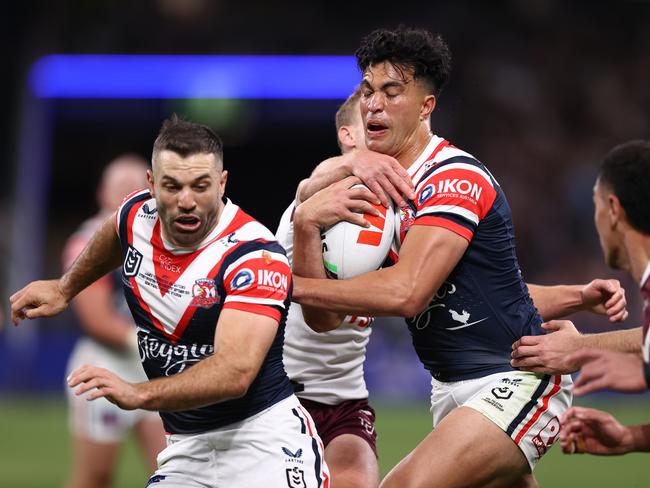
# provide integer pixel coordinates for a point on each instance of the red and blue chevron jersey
(176, 296)
(483, 306)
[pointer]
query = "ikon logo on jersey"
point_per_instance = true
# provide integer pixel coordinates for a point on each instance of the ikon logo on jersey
(272, 279)
(451, 186)
(204, 293)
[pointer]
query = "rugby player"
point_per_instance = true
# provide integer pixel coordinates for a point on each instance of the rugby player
(209, 289)
(457, 278)
(622, 219)
(99, 428)
(327, 368)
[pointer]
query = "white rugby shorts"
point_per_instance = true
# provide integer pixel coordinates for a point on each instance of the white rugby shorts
(278, 447)
(526, 406)
(100, 420)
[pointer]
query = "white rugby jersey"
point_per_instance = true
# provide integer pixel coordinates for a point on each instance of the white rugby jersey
(325, 367)
(176, 296)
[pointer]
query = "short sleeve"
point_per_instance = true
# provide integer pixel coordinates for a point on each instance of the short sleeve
(456, 196)
(258, 282)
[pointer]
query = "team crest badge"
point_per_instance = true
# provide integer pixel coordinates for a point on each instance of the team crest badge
(204, 293)
(132, 262)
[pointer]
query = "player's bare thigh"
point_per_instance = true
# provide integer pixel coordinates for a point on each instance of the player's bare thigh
(465, 450)
(352, 462)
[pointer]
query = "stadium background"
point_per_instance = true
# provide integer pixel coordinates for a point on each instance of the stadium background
(540, 90)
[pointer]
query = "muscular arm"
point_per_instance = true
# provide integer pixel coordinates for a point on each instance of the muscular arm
(325, 208)
(101, 256)
(242, 341)
(628, 340)
(47, 298)
(605, 297)
(427, 257)
(552, 353)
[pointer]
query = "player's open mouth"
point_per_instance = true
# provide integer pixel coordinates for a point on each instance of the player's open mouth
(375, 128)
(187, 223)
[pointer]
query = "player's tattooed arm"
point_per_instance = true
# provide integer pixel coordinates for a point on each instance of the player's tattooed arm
(242, 341)
(605, 297)
(382, 174)
(327, 207)
(47, 298)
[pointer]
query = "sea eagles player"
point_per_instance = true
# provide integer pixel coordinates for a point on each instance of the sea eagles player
(327, 368)
(209, 289)
(622, 219)
(109, 341)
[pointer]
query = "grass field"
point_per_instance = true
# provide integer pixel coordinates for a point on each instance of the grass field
(34, 449)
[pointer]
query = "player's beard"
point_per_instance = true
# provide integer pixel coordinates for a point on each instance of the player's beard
(189, 237)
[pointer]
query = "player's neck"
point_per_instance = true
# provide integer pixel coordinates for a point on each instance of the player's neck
(637, 249)
(414, 147)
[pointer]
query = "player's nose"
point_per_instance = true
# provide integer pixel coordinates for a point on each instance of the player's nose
(186, 199)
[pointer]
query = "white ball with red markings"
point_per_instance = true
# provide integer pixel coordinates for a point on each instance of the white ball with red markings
(350, 250)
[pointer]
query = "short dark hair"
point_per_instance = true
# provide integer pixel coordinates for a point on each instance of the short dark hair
(626, 171)
(186, 138)
(427, 55)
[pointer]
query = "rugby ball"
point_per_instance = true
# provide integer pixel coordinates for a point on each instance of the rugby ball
(350, 250)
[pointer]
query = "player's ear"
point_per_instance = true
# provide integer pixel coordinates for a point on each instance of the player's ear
(615, 210)
(346, 138)
(222, 181)
(428, 107)
(150, 182)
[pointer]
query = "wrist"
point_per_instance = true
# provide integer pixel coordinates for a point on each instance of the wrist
(635, 439)
(144, 396)
(580, 301)
(303, 221)
(65, 289)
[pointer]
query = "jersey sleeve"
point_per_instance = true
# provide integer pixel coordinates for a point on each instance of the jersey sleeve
(455, 195)
(259, 282)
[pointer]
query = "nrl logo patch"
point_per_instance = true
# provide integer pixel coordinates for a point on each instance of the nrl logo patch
(132, 262)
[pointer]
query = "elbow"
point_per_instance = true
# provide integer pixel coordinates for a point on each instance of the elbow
(407, 301)
(321, 322)
(322, 326)
(239, 386)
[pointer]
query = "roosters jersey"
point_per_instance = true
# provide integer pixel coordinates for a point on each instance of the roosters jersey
(325, 367)
(483, 306)
(645, 295)
(176, 297)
